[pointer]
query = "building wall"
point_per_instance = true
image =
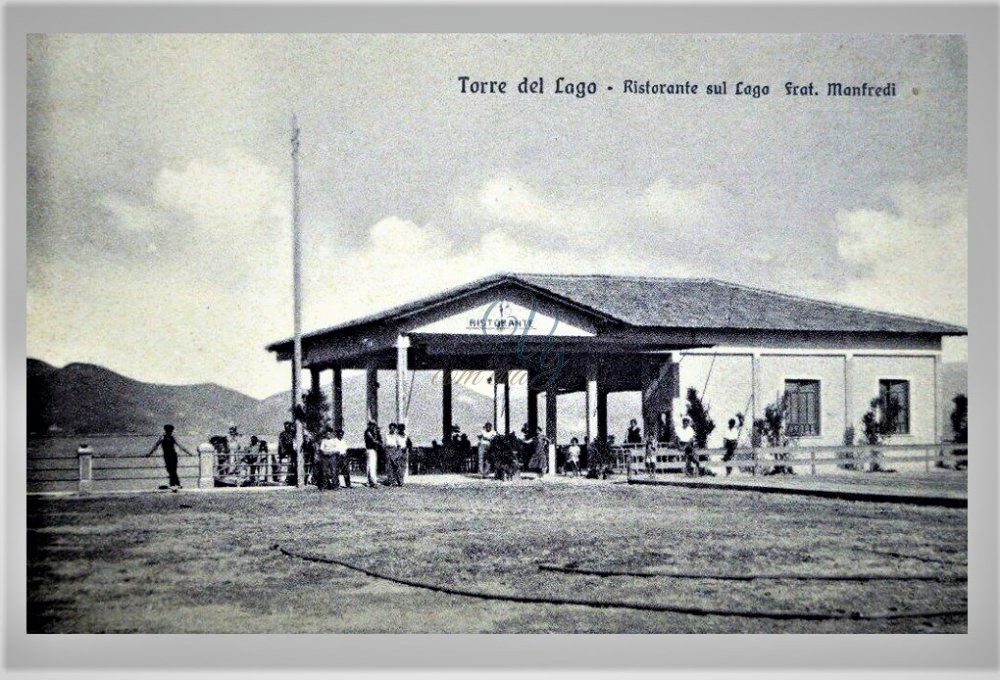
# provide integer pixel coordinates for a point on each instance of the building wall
(868, 370)
(725, 386)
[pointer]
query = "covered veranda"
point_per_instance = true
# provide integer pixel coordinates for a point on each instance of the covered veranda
(500, 325)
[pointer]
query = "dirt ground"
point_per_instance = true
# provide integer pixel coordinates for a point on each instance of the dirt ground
(204, 562)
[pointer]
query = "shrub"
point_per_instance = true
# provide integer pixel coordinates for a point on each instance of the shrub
(879, 423)
(960, 419)
(849, 455)
(503, 456)
(315, 416)
(701, 421)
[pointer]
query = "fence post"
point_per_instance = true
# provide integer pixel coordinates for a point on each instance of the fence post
(812, 461)
(85, 458)
(927, 459)
(206, 466)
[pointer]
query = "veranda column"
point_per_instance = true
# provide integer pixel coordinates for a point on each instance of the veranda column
(371, 390)
(337, 400)
(591, 404)
(532, 406)
(551, 426)
(602, 414)
(506, 402)
(496, 400)
(402, 366)
(314, 379)
(402, 393)
(649, 415)
(445, 406)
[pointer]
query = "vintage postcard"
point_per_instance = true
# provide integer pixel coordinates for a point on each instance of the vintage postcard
(497, 333)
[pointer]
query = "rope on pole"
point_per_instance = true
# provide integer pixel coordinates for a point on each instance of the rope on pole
(616, 604)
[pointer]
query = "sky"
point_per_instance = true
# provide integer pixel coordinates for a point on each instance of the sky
(159, 175)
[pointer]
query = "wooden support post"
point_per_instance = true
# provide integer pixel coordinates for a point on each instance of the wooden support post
(85, 462)
(337, 400)
(314, 379)
(812, 461)
(551, 426)
(402, 368)
(602, 414)
(506, 402)
(446, 422)
(532, 406)
(371, 391)
(496, 401)
(591, 401)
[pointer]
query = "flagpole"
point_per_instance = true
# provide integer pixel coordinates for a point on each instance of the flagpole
(300, 477)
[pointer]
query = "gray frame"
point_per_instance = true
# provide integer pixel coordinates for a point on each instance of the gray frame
(973, 650)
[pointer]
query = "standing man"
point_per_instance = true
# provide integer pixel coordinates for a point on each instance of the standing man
(485, 439)
(633, 436)
(341, 463)
(325, 469)
(405, 445)
(685, 442)
(393, 444)
(169, 446)
(373, 442)
(729, 441)
(286, 449)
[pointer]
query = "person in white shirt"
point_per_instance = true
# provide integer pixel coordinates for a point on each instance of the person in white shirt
(573, 457)
(730, 440)
(325, 470)
(341, 463)
(685, 442)
(393, 454)
(485, 439)
(373, 442)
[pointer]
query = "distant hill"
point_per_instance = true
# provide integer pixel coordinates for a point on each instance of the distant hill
(84, 398)
(87, 399)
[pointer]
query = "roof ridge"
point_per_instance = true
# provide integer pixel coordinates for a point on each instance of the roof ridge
(620, 277)
(838, 305)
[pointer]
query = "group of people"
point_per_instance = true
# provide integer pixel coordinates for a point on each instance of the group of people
(330, 461)
(395, 447)
(685, 440)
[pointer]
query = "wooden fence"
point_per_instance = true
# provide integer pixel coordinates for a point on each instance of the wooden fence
(634, 458)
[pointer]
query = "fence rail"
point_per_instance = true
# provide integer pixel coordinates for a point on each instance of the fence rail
(635, 459)
(208, 469)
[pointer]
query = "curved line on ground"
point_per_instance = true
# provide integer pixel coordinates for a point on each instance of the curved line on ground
(753, 577)
(615, 604)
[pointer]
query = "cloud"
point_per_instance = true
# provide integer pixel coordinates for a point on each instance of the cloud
(910, 258)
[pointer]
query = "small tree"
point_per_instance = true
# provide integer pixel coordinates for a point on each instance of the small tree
(771, 430)
(960, 419)
(502, 456)
(879, 423)
(701, 421)
(848, 441)
(316, 414)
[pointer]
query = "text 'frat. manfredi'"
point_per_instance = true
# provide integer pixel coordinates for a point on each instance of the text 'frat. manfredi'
(581, 88)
